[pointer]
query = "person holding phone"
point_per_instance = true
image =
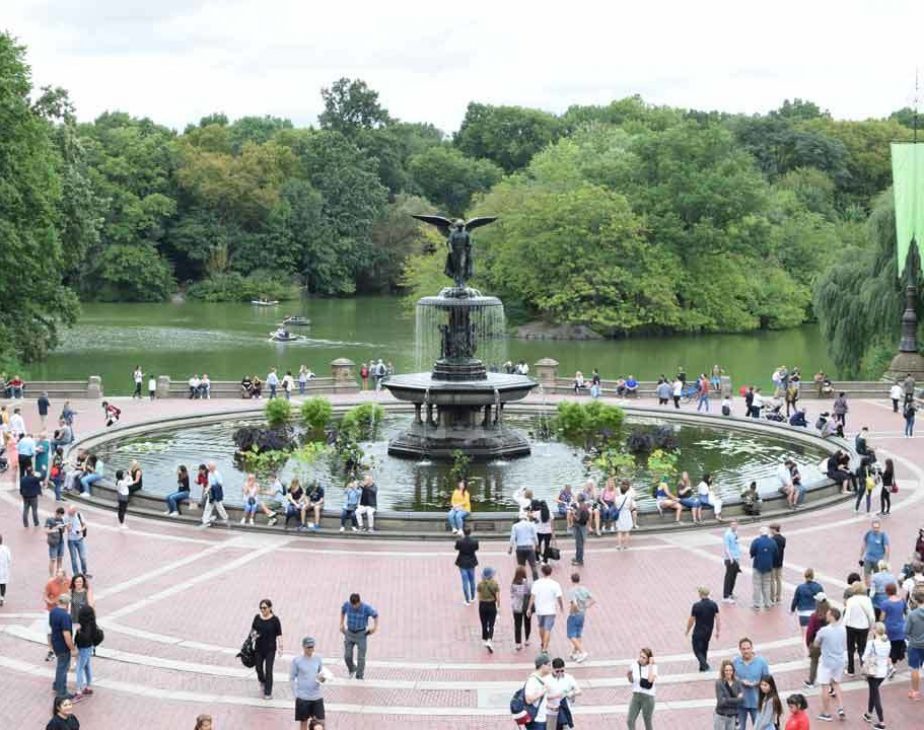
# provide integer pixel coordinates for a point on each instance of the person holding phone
(642, 676)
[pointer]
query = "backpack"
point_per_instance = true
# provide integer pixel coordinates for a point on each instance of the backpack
(583, 515)
(521, 712)
(248, 652)
(98, 636)
(917, 587)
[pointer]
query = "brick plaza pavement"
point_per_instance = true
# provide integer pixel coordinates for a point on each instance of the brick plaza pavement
(176, 602)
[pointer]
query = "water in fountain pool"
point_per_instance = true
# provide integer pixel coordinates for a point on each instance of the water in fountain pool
(734, 458)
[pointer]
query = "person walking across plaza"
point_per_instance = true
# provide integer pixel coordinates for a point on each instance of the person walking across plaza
(804, 598)
(579, 529)
(354, 625)
(525, 539)
(914, 633)
(642, 675)
(76, 541)
(306, 676)
(704, 618)
(731, 554)
(520, 589)
(579, 599)
(763, 553)
(728, 694)
(874, 547)
(877, 665)
(268, 644)
(859, 618)
(30, 489)
(214, 494)
(466, 562)
(776, 574)
(543, 597)
(488, 592)
(749, 668)
(831, 639)
(536, 690)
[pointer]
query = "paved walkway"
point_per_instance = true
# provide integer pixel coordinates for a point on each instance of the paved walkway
(176, 603)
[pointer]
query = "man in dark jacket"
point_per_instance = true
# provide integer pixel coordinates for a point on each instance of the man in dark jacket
(763, 554)
(776, 576)
(466, 561)
(30, 488)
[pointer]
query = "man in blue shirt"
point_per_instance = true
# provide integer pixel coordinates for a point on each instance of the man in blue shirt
(875, 548)
(62, 642)
(749, 668)
(731, 553)
(354, 625)
(763, 555)
(525, 540)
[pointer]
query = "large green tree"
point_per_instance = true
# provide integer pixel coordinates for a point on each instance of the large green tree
(35, 302)
(509, 136)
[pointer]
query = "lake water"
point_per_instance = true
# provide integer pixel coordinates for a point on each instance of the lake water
(229, 340)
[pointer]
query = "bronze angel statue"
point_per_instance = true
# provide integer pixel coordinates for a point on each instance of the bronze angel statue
(459, 242)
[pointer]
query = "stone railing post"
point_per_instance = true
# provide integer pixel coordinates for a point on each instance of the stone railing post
(342, 371)
(725, 385)
(162, 390)
(546, 371)
(95, 387)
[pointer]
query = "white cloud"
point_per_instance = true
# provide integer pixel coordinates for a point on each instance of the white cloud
(177, 60)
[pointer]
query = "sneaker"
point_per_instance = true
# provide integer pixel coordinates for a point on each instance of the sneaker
(267, 697)
(826, 717)
(272, 521)
(173, 514)
(342, 529)
(891, 669)
(518, 647)
(879, 726)
(354, 529)
(490, 646)
(371, 530)
(867, 717)
(51, 655)
(168, 513)
(312, 526)
(841, 715)
(243, 520)
(808, 685)
(581, 657)
(728, 600)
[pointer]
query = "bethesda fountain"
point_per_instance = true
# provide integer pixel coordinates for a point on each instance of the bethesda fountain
(459, 405)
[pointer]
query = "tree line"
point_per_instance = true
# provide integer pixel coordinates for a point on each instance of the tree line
(627, 217)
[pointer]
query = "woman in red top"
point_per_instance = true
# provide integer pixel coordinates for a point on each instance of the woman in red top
(798, 717)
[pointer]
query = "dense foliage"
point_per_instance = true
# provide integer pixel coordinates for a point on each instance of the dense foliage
(625, 217)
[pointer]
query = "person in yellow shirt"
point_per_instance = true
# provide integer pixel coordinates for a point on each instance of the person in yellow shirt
(461, 508)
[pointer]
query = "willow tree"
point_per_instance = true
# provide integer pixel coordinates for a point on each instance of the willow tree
(858, 301)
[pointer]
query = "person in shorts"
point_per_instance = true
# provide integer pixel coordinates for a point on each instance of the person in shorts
(832, 641)
(544, 595)
(307, 674)
(54, 535)
(580, 600)
(914, 632)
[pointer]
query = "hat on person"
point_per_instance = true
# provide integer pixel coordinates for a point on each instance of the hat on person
(487, 573)
(542, 660)
(308, 641)
(820, 596)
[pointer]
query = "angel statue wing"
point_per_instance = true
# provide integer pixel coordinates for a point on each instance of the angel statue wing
(436, 220)
(474, 223)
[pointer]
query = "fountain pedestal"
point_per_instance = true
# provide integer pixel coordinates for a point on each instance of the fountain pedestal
(459, 405)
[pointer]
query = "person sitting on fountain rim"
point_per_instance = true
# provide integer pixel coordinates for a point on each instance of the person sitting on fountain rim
(461, 508)
(798, 419)
(751, 502)
(631, 385)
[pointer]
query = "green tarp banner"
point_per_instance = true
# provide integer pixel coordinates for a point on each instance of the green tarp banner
(908, 187)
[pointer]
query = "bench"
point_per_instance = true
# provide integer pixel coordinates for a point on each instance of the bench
(232, 388)
(61, 389)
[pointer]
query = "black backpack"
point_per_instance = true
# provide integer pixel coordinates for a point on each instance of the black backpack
(248, 652)
(98, 636)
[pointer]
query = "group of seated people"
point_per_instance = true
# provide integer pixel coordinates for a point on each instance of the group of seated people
(624, 386)
(12, 387)
(200, 387)
(251, 387)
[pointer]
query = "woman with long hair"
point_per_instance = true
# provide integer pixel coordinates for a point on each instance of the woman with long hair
(181, 494)
(728, 694)
(461, 507)
(62, 715)
(893, 610)
(85, 640)
(666, 499)
(466, 562)
(877, 664)
(488, 592)
(769, 706)
(545, 529)
(519, 600)
(688, 498)
(624, 522)
(608, 511)
(202, 479)
(81, 595)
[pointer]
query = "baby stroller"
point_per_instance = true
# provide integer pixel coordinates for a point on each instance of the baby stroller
(772, 412)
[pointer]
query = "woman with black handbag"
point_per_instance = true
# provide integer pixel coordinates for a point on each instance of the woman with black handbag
(268, 643)
(642, 675)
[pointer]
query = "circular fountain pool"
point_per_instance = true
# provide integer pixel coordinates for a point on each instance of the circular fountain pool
(731, 451)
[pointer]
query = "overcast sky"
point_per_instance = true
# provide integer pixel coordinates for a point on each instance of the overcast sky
(177, 60)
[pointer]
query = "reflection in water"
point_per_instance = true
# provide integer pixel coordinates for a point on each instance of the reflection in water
(733, 458)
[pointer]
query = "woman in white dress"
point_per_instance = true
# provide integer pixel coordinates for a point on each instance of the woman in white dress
(625, 504)
(6, 567)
